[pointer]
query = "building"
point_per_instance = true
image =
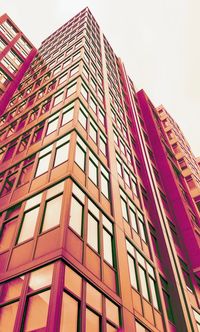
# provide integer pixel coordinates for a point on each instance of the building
(180, 147)
(16, 55)
(99, 231)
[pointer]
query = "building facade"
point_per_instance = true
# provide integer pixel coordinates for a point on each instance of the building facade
(99, 231)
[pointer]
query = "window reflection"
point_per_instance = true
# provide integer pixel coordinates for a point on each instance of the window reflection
(11, 289)
(7, 317)
(37, 310)
(41, 277)
(28, 225)
(92, 322)
(52, 213)
(7, 234)
(69, 314)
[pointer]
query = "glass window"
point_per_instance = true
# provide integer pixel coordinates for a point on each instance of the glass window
(52, 126)
(119, 168)
(36, 312)
(93, 297)
(93, 172)
(67, 116)
(143, 281)
(93, 105)
(61, 154)
(41, 277)
(127, 177)
(28, 225)
(74, 70)
(69, 314)
(142, 230)
(107, 245)
(112, 312)
(124, 209)
(104, 186)
(153, 292)
(7, 316)
(76, 215)
(7, 234)
(52, 213)
(58, 98)
(71, 89)
(92, 322)
(11, 289)
(92, 234)
(73, 281)
(93, 133)
(63, 78)
(80, 157)
(43, 165)
(82, 118)
(132, 270)
(102, 145)
(84, 92)
(133, 220)
(102, 116)
(134, 187)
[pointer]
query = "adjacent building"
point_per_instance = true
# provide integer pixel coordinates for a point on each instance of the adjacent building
(99, 231)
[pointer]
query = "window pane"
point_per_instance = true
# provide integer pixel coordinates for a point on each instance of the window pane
(80, 157)
(84, 92)
(76, 216)
(11, 289)
(7, 234)
(7, 317)
(153, 293)
(52, 213)
(112, 312)
(93, 133)
(142, 231)
(82, 118)
(132, 270)
(133, 220)
(93, 172)
(58, 99)
(43, 165)
(124, 209)
(69, 314)
(67, 116)
(41, 277)
(143, 282)
(37, 310)
(73, 281)
(71, 89)
(61, 154)
(28, 225)
(102, 146)
(104, 186)
(52, 126)
(93, 298)
(92, 322)
(107, 245)
(92, 236)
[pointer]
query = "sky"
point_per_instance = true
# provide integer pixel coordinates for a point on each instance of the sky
(157, 40)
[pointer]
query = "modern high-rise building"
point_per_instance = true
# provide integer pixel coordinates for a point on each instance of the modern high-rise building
(99, 231)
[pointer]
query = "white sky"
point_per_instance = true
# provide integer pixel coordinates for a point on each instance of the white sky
(158, 41)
